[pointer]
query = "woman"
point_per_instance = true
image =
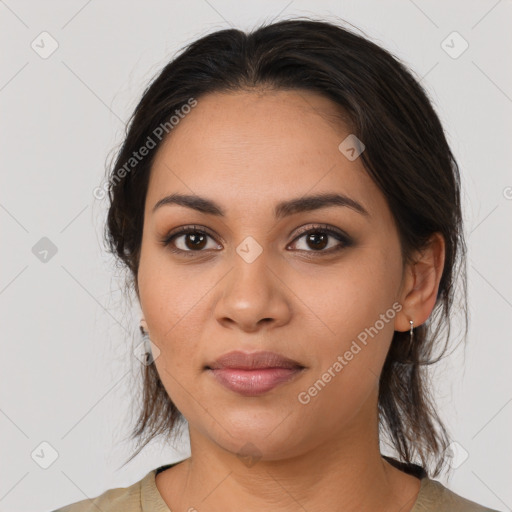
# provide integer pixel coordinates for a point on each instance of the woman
(289, 212)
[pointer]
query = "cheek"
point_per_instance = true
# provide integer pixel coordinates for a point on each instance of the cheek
(348, 369)
(354, 313)
(168, 293)
(344, 300)
(167, 302)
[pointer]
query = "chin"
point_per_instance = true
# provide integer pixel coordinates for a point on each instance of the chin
(265, 440)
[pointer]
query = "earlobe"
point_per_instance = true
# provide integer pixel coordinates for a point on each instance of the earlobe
(424, 274)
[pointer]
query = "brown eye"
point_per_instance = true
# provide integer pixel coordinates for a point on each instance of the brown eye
(322, 240)
(195, 240)
(189, 240)
(317, 240)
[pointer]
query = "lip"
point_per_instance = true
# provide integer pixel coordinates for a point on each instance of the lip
(253, 374)
(253, 360)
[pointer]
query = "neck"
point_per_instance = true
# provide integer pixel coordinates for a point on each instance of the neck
(346, 472)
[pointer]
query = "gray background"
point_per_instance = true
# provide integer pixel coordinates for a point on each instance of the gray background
(67, 368)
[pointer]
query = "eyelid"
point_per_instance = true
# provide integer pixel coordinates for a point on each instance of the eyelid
(320, 227)
(183, 230)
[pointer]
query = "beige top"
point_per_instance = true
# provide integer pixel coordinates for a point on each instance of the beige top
(143, 496)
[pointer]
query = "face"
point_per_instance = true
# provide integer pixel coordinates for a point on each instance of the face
(315, 282)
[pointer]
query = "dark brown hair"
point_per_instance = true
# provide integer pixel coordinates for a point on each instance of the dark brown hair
(407, 156)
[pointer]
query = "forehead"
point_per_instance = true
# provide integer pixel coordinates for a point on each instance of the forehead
(258, 146)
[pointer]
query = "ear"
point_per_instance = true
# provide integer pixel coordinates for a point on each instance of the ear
(143, 325)
(420, 284)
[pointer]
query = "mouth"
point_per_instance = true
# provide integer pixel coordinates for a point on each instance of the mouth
(253, 374)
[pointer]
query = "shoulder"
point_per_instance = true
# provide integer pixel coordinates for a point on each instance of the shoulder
(127, 499)
(434, 496)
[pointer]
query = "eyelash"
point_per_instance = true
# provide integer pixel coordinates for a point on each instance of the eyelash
(345, 240)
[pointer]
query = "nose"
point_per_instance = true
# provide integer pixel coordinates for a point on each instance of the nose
(253, 295)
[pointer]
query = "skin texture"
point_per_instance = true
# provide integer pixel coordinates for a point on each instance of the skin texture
(248, 151)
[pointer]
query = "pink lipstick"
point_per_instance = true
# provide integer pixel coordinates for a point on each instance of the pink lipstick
(255, 373)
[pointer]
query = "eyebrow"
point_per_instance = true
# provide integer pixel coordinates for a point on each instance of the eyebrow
(282, 209)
